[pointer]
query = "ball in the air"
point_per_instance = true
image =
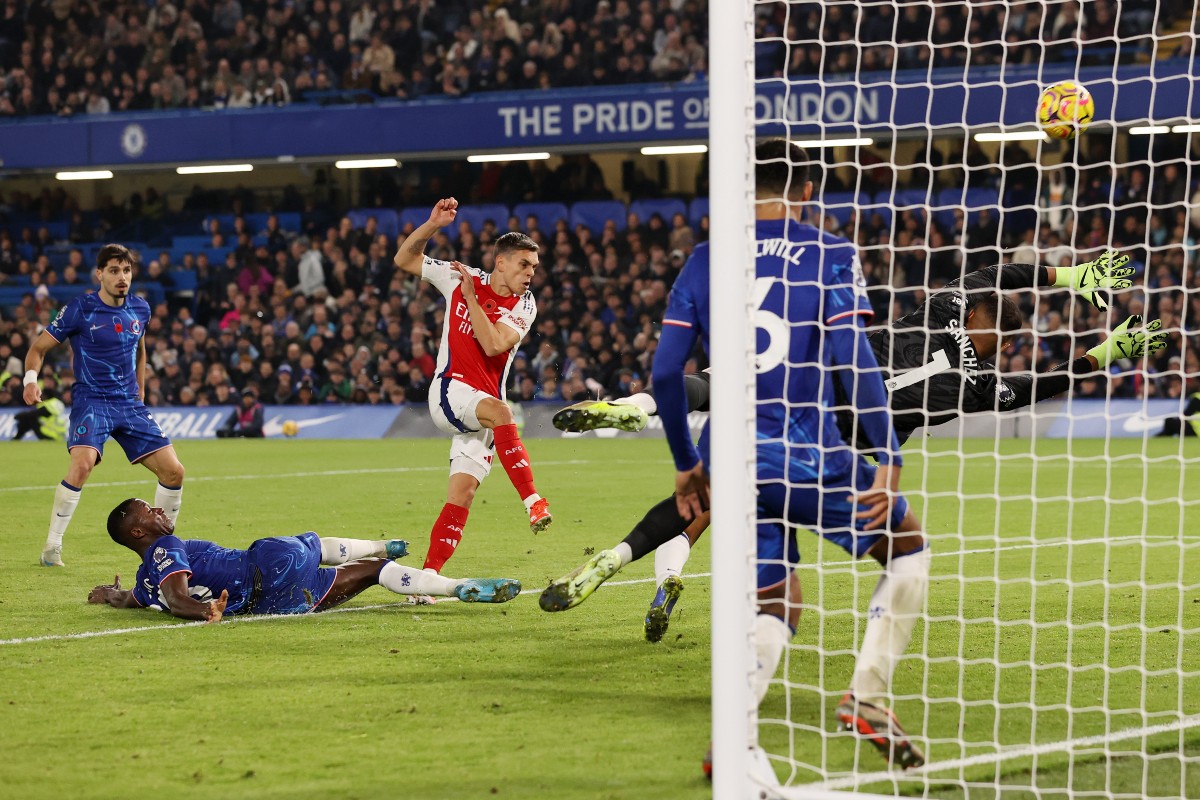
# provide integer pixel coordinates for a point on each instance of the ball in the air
(290, 428)
(1065, 109)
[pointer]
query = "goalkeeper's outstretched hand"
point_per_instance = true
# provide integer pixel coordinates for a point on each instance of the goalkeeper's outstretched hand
(1106, 272)
(1129, 340)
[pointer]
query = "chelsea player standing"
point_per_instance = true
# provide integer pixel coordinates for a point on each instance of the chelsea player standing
(811, 301)
(107, 332)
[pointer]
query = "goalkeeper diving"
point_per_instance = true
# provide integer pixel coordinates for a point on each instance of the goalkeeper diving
(938, 364)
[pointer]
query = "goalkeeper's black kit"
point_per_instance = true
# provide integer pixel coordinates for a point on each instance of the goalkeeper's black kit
(932, 372)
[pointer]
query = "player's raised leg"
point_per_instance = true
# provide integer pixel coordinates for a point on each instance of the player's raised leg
(496, 415)
(628, 413)
(355, 577)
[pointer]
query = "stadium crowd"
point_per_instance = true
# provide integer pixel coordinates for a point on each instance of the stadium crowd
(72, 57)
(321, 314)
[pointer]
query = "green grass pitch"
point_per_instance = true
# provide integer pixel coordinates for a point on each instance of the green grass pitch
(506, 701)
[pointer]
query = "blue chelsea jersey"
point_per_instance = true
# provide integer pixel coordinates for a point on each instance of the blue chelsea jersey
(806, 281)
(210, 567)
(104, 340)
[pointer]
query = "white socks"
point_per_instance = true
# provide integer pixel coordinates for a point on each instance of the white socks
(336, 551)
(168, 500)
(896, 604)
(409, 580)
(771, 635)
(670, 558)
(65, 499)
(530, 500)
(624, 552)
(642, 400)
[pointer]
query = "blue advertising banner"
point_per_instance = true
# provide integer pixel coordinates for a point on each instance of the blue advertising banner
(1162, 91)
(1116, 419)
(312, 422)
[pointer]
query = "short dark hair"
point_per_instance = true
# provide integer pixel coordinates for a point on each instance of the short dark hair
(781, 169)
(1001, 308)
(117, 251)
(117, 519)
(514, 240)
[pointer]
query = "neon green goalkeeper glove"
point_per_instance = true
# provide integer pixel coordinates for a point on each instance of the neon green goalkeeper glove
(1106, 272)
(1129, 340)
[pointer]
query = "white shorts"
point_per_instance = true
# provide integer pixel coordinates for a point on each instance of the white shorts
(452, 405)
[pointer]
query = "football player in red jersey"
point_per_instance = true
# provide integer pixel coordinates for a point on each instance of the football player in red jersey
(487, 316)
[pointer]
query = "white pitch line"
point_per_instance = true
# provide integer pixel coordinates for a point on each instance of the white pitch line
(1007, 754)
(55, 637)
(314, 474)
(631, 582)
(58, 637)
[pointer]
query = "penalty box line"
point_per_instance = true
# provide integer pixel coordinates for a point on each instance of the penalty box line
(58, 637)
(316, 474)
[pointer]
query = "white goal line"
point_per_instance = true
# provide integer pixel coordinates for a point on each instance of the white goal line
(1005, 754)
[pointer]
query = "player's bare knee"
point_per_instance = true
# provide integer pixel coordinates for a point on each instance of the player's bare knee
(461, 495)
(171, 475)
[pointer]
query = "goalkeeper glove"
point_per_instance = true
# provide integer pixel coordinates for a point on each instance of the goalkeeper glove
(1106, 272)
(1127, 341)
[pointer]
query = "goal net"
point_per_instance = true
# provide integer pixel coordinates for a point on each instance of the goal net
(1056, 645)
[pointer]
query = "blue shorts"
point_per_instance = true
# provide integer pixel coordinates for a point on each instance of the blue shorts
(825, 509)
(131, 424)
(292, 579)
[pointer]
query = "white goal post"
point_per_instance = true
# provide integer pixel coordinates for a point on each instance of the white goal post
(1058, 650)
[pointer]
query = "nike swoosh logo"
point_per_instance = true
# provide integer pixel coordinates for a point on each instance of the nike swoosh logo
(96, 327)
(61, 515)
(274, 426)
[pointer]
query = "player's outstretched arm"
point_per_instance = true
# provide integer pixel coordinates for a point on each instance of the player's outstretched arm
(112, 595)
(174, 590)
(1108, 272)
(34, 360)
(412, 251)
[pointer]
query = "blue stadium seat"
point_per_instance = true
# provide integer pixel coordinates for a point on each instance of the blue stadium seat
(387, 218)
(182, 280)
(414, 215)
(289, 221)
(548, 214)
(192, 243)
(697, 210)
(593, 214)
(477, 215)
(839, 205)
(226, 221)
(216, 255)
(58, 230)
(26, 251)
(666, 209)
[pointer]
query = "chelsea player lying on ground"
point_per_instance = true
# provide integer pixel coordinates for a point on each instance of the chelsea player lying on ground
(200, 580)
